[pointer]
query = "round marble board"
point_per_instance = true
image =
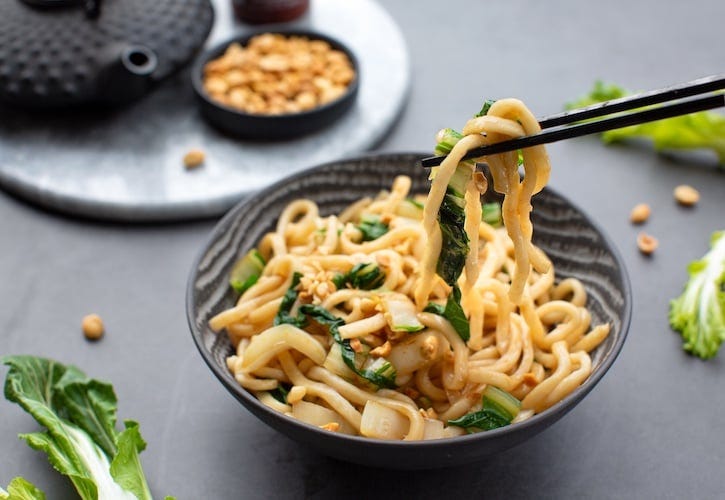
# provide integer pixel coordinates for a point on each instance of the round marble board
(126, 164)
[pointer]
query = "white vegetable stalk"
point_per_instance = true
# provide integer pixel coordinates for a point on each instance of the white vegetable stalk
(96, 463)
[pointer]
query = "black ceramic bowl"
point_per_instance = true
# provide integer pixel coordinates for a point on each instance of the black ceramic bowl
(272, 127)
(577, 247)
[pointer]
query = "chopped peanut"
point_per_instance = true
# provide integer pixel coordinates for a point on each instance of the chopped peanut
(686, 195)
(194, 158)
(381, 351)
(640, 213)
(530, 379)
(317, 288)
(429, 347)
(429, 413)
(287, 74)
(356, 345)
(330, 426)
(646, 243)
(92, 326)
(411, 393)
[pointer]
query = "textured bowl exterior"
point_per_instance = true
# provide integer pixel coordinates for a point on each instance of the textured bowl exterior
(576, 246)
(272, 127)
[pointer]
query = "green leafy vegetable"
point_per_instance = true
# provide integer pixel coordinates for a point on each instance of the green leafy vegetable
(379, 372)
(601, 92)
(434, 308)
(491, 214)
(288, 301)
(482, 420)
(501, 401)
(81, 440)
(453, 312)
(499, 409)
(705, 129)
(280, 393)
(410, 209)
(21, 489)
(454, 246)
(455, 315)
(371, 227)
(699, 313)
(364, 276)
(246, 271)
(400, 313)
(416, 204)
(484, 109)
(446, 139)
(451, 220)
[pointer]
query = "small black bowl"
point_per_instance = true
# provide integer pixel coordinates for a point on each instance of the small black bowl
(271, 127)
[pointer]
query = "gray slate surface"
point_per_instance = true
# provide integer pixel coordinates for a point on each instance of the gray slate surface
(654, 426)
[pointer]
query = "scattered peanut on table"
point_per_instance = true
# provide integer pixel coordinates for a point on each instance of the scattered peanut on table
(194, 158)
(275, 74)
(640, 213)
(92, 326)
(647, 243)
(686, 195)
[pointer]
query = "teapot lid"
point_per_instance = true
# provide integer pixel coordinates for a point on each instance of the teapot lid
(67, 52)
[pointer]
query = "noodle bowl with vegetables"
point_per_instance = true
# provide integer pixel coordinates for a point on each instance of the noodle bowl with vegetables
(407, 317)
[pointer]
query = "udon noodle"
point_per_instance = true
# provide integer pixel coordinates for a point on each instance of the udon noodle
(530, 334)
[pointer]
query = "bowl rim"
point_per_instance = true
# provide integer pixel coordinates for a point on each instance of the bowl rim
(197, 71)
(246, 398)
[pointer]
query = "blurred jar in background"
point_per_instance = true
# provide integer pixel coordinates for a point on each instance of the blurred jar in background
(269, 11)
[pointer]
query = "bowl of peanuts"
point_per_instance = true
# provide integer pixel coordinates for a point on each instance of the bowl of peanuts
(276, 85)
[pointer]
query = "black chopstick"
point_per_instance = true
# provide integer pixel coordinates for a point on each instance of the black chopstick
(680, 91)
(568, 125)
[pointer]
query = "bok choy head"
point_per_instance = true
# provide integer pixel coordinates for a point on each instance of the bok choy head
(80, 437)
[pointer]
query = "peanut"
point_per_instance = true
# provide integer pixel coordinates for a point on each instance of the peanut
(686, 195)
(92, 326)
(331, 426)
(194, 158)
(640, 213)
(647, 243)
(304, 73)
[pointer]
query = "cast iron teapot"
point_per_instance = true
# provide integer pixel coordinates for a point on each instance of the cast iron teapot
(61, 53)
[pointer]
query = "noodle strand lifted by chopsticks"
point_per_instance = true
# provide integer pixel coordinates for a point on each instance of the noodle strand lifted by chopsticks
(506, 119)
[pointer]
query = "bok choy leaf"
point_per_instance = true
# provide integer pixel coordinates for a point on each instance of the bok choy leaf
(371, 227)
(451, 220)
(703, 130)
(499, 409)
(364, 276)
(699, 313)
(80, 437)
(379, 372)
(21, 489)
(288, 301)
(453, 312)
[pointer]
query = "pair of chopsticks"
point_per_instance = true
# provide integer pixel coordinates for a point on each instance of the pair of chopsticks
(570, 124)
